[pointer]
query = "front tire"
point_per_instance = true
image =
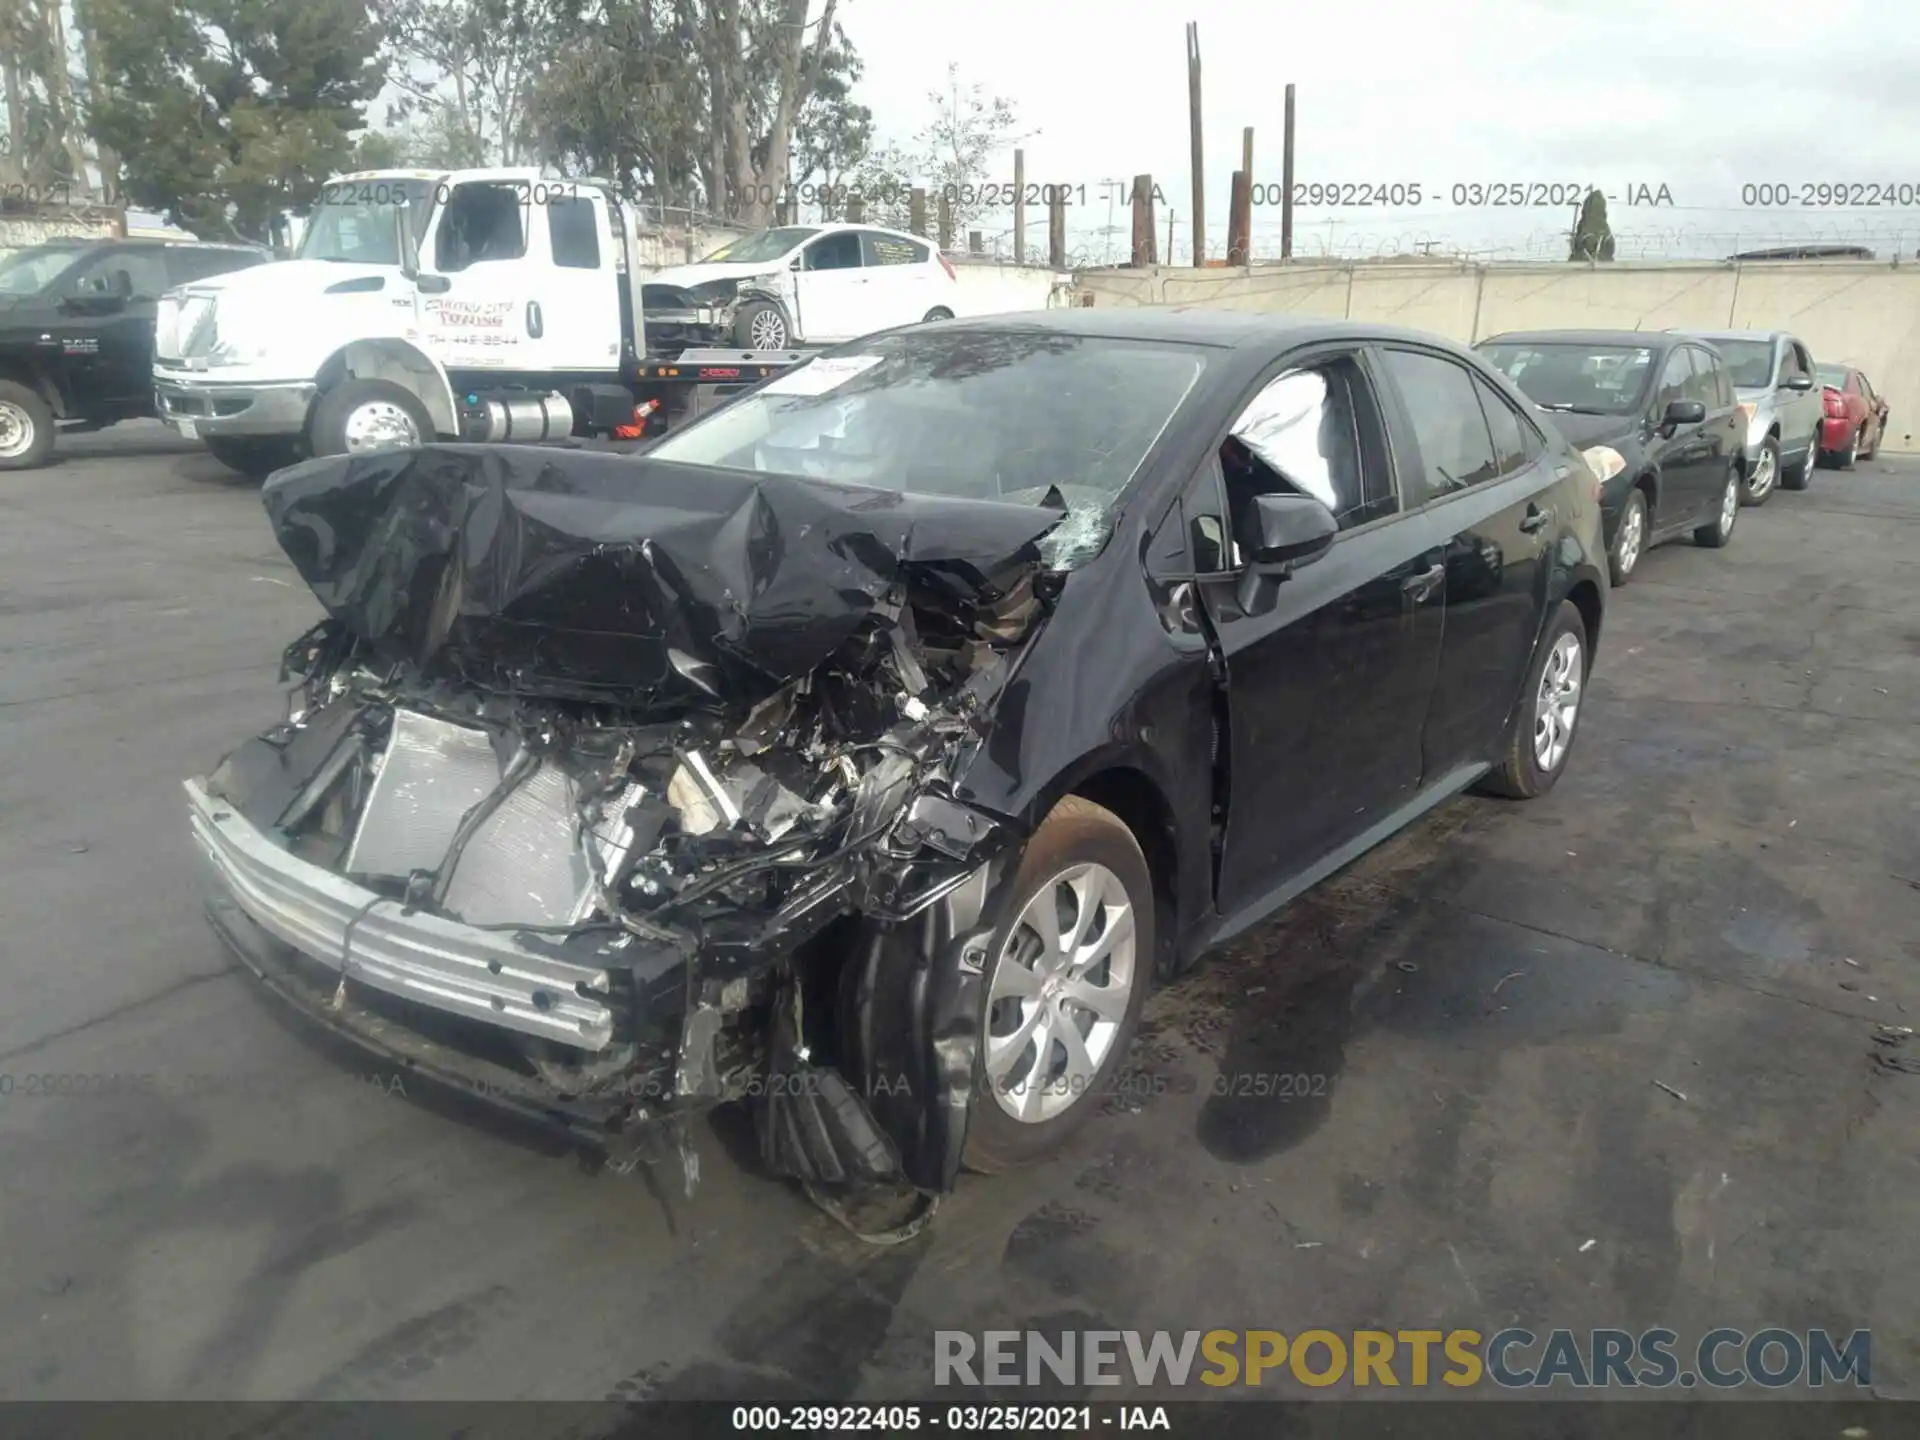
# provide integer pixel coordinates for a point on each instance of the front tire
(761, 325)
(1543, 731)
(1064, 990)
(1755, 488)
(359, 417)
(1800, 476)
(254, 457)
(1715, 534)
(939, 312)
(26, 427)
(1630, 539)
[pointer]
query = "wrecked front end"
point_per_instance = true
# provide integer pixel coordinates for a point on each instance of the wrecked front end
(613, 790)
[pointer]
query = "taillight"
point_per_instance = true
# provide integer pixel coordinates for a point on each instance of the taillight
(947, 265)
(1836, 407)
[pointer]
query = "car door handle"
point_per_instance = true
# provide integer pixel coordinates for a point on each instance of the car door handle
(1536, 520)
(1420, 586)
(536, 326)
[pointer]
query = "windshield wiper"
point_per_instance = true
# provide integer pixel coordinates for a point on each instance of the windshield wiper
(1575, 410)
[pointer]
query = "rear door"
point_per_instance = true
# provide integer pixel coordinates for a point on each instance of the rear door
(1327, 670)
(1478, 476)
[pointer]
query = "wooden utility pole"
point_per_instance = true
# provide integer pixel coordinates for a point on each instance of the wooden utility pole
(917, 211)
(856, 209)
(976, 243)
(1199, 159)
(1239, 231)
(1057, 227)
(1143, 221)
(1286, 183)
(946, 218)
(1019, 207)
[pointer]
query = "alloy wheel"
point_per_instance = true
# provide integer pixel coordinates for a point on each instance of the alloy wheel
(1764, 472)
(1853, 450)
(1060, 992)
(1633, 535)
(380, 425)
(768, 331)
(16, 431)
(1730, 505)
(1557, 706)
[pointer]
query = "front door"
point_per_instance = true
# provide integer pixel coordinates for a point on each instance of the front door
(831, 289)
(107, 310)
(1684, 453)
(1329, 669)
(1801, 410)
(1482, 478)
(474, 312)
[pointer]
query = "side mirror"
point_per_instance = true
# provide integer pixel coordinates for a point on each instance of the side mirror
(1799, 382)
(1684, 412)
(1291, 530)
(405, 246)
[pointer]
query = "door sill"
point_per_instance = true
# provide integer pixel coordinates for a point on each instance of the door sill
(1445, 788)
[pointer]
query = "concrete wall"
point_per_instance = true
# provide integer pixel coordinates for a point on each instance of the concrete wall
(1864, 313)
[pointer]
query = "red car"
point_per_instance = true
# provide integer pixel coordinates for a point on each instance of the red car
(1855, 417)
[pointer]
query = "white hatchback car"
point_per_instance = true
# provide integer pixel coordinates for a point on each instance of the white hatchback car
(813, 284)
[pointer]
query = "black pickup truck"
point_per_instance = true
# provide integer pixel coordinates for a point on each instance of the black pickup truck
(76, 333)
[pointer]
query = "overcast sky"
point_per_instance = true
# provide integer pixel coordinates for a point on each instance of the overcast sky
(1701, 97)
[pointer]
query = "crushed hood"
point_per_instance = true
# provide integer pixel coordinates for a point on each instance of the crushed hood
(621, 579)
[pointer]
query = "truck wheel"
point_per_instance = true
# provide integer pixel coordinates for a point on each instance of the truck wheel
(26, 427)
(761, 325)
(361, 416)
(256, 457)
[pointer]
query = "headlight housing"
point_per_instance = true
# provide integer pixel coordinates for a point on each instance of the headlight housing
(713, 292)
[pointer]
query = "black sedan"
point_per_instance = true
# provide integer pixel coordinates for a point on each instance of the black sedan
(868, 748)
(1655, 415)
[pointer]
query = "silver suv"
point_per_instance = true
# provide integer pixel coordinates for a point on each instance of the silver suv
(1772, 374)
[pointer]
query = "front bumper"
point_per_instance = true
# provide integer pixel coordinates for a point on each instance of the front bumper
(491, 976)
(199, 408)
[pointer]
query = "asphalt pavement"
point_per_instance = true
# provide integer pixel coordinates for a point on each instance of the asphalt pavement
(1639, 1013)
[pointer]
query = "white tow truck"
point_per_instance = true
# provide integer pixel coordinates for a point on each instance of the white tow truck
(489, 305)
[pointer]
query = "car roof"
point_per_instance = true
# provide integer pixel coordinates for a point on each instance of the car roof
(1195, 325)
(1735, 334)
(1645, 339)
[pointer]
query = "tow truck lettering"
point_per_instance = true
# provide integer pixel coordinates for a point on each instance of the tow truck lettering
(475, 313)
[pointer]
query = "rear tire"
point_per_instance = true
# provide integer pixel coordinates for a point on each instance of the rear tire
(26, 427)
(1077, 837)
(939, 312)
(254, 457)
(1851, 455)
(1524, 771)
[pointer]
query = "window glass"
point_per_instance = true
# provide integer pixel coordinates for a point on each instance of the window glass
(1513, 442)
(1302, 433)
(482, 222)
(1583, 379)
(1456, 447)
(1794, 362)
(892, 250)
(1750, 362)
(835, 252)
(574, 236)
(1675, 376)
(146, 273)
(1700, 384)
(1722, 382)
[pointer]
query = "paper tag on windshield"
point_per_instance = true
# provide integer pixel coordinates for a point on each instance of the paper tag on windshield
(817, 377)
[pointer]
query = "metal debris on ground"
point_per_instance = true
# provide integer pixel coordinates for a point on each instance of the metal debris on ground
(1510, 975)
(1670, 1090)
(1407, 965)
(1588, 1246)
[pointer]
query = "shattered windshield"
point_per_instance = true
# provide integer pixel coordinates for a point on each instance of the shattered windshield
(353, 223)
(762, 245)
(1012, 415)
(1585, 379)
(28, 272)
